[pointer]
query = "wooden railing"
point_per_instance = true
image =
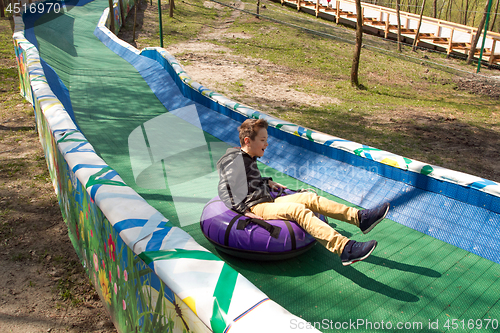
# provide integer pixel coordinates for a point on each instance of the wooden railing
(449, 36)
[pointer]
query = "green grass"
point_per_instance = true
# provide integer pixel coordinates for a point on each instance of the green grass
(237, 87)
(189, 19)
(9, 77)
(12, 168)
(390, 82)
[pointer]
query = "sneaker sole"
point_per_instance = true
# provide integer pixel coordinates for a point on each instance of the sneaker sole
(347, 263)
(378, 221)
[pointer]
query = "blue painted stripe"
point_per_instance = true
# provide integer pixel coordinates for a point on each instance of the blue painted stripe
(482, 184)
(330, 142)
(156, 240)
(94, 189)
(88, 166)
(149, 228)
(128, 224)
(139, 223)
(78, 149)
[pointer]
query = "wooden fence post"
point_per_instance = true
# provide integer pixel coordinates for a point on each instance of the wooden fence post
(450, 43)
(387, 24)
(472, 34)
(337, 16)
(492, 54)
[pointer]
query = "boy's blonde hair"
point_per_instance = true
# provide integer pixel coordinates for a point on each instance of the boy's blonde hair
(249, 129)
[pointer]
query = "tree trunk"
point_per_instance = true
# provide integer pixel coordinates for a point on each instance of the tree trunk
(111, 17)
(474, 10)
(122, 11)
(359, 44)
(448, 11)
(172, 6)
(464, 12)
(434, 14)
(439, 16)
(495, 18)
(415, 41)
(136, 3)
(478, 34)
(399, 25)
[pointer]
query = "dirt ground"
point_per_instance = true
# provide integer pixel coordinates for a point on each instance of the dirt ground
(43, 287)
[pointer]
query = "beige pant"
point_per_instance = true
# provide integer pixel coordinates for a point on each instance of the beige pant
(299, 207)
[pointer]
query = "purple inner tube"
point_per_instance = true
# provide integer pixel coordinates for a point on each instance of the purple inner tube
(231, 230)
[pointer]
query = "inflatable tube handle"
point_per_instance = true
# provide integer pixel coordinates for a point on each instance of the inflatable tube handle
(292, 234)
(273, 230)
(229, 227)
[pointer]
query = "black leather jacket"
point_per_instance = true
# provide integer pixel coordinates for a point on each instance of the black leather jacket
(241, 185)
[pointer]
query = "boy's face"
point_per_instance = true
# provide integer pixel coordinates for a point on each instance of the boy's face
(258, 146)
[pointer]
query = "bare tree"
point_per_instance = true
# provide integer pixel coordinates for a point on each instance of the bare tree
(478, 34)
(434, 13)
(136, 3)
(111, 17)
(359, 45)
(495, 18)
(441, 10)
(474, 10)
(399, 25)
(465, 11)
(415, 41)
(448, 11)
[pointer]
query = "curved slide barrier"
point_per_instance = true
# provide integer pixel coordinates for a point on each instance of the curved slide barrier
(150, 273)
(178, 286)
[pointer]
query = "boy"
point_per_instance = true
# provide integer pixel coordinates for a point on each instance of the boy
(243, 189)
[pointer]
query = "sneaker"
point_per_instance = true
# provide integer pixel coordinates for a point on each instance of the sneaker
(357, 251)
(369, 218)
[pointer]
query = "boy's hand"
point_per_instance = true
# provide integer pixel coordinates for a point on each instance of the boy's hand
(275, 186)
(252, 215)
